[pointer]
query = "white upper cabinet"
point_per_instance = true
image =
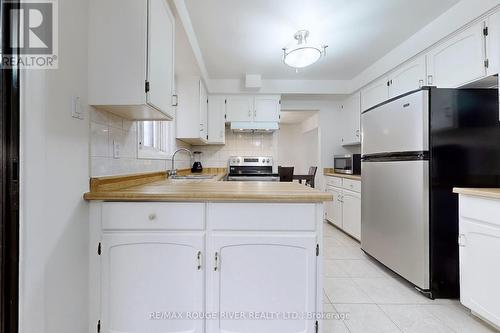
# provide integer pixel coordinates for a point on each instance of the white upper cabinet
(267, 108)
(216, 119)
(240, 108)
(192, 110)
(131, 58)
(351, 109)
(493, 44)
(375, 93)
(458, 60)
(139, 281)
(250, 108)
(410, 76)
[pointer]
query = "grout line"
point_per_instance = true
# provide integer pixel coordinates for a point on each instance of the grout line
(388, 316)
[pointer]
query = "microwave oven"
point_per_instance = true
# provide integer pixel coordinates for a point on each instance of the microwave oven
(347, 164)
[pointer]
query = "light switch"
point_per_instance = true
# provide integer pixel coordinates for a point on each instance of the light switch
(116, 149)
(76, 108)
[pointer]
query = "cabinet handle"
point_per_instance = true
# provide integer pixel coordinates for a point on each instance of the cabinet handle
(176, 99)
(462, 240)
(430, 79)
(216, 259)
(152, 216)
(255, 113)
(249, 113)
(421, 83)
(198, 257)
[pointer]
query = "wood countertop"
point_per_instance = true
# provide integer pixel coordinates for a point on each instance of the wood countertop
(492, 193)
(136, 188)
(329, 172)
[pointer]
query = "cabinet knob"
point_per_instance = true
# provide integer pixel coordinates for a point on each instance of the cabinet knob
(152, 216)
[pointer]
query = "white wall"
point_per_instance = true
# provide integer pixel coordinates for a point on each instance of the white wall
(54, 175)
(298, 147)
(238, 144)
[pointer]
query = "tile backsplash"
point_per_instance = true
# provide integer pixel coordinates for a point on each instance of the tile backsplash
(107, 128)
(247, 144)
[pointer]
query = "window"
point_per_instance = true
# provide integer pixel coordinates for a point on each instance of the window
(155, 139)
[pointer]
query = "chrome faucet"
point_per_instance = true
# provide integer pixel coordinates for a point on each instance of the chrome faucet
(173, 171)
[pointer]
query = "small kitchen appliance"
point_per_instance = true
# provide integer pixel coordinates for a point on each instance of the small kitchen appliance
(347, 164)
(197, 167)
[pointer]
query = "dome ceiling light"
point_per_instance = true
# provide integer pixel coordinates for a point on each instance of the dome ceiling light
(303, 54)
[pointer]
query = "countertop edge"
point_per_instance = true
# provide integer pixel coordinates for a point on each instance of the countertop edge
(492, 193)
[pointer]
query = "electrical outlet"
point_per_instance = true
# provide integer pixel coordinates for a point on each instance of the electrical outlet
(116, 149)
(76, 108)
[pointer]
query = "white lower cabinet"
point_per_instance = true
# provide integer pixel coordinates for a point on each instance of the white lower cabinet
(334, 208)
(351, 213)
(479, 242)
(146, 277)
(164, 268)
(345, 209)
(260, 273)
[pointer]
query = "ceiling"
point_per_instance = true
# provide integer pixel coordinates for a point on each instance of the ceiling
(246, 36)
(295, 117)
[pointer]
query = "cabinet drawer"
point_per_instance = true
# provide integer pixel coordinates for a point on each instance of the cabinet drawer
(334, 181)
(261, 217)
(153, 216)
(352, 185)
(480, 209)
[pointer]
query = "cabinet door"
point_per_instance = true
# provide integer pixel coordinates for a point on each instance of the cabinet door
(160, 71)
(408, 77)
(147, 276)
(351, 213)
(374, 94)
(479, 269)
(262, 273)
(203, 112)
(240, 108)
(493, 44)
(267, 108)
(458, 60)
(334, 212)
(352, 119)
(216, 119)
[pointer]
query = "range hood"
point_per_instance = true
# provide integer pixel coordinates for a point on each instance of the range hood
(251, 126)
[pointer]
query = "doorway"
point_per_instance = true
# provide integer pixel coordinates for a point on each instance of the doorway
(9, 175)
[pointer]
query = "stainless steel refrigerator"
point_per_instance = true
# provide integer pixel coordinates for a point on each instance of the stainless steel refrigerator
(415, 149)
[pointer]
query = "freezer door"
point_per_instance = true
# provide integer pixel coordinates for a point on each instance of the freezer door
(401, 125)
(395, 217)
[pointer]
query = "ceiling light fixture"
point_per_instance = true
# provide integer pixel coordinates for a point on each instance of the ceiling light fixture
(303, 54)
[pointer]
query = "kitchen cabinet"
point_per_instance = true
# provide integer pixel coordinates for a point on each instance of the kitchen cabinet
(351, 109)
(345, 210)
(351, 213)
(334, 208)
(250, 108)
(240, 108)
(139, 267)
(408, 77)
(493, 44)
(479, 248)
(192, 110)
(241, 282)
(131, 58)
(458, 60)
(216, 119)
(374, 94)
(150, 259)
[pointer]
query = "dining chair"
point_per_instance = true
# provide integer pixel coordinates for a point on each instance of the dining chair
(286, 174)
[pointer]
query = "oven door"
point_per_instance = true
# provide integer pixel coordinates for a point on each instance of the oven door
(343, 164)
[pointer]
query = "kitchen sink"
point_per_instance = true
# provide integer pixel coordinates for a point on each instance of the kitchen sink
(193, 177)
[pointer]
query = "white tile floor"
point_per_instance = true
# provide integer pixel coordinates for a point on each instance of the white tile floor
(373, 299)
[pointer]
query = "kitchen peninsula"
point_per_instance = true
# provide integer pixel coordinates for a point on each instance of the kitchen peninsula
(216, 254)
